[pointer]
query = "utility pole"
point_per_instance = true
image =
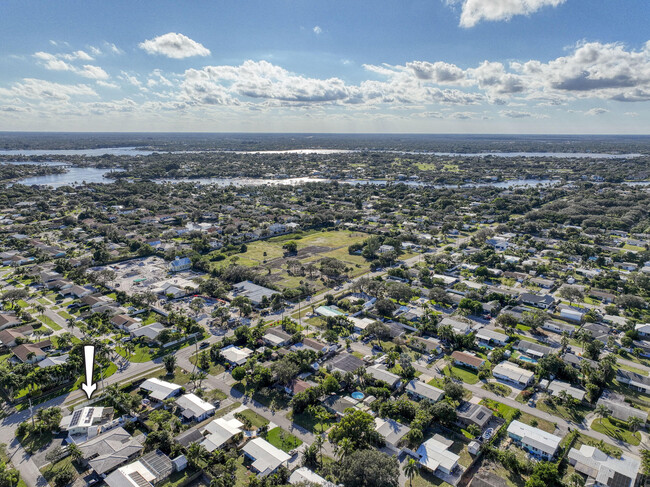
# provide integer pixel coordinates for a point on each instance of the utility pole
(31, 412)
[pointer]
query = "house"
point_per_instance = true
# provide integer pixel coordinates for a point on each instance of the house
(643, 346)
(619, 409)
(384, 249)
(598, 331)
(572, 314)
(221, 432)
(7, 320)
(603, 296)
(509, 372)
(125, 322)
(180, 264)
(643, 329)
(235, 355)
(9, 337)
(532, 349)
(265, 457)
(329, 311)
(338, 404)
(30, 353)
(556, 387)
(467, 360)
(148, 333)
(434, 455)
(419, 390)
(105, 452)
(459, 327)
(147, 471)
(344, 362)
(296, 386)
(379, 372)
(476, 414)
(559, 327)
(76, 291)
(310, 344)
(253, 292)
(491, 337)
(160, 390)
(193, 408)
(360, 324)
(633, 380)
(429, 345)
(95, 301)
(535, 441)
(304, 476)
(87, 422)
(543, 283)
(54, 360)
(392, 431)
(604, 470)
(276, 337)
(542, 302)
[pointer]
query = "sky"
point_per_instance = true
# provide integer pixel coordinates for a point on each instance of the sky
(412, 66)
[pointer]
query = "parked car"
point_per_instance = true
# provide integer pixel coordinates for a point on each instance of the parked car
(204, 345)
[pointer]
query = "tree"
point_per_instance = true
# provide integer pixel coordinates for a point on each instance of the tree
(454, 391)
(345, 448)
(369, 468)
(602, 412)
(634, 423)
(290, 247)
(358, 426)
(385, 307)
(576, 480)
(285, 371)
(238, 373)
(9, 477)
(169, 361)
(410, 469)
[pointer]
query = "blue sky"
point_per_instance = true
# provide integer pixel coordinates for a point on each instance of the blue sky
(442, 66)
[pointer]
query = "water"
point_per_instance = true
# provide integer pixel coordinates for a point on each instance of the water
(523, 358)
(74, 176)
(114, 151)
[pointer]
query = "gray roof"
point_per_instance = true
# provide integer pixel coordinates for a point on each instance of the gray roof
(110, 450)
(253, 291)
(532, 348)
(474, 413)
(378, 372)
(391, 430)
(424, 390)
(344, 362)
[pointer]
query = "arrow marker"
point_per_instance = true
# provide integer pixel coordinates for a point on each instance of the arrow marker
(89, 358)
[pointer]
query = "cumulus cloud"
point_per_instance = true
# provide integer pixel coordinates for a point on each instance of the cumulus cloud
(93, 72)
(515, 114)
(317, 30)
(175, 46)
(46, 90)
(596, 111)
(475, 11)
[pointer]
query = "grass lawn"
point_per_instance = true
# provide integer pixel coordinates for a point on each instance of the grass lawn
(281, 439)
(498, 389)
(32, 442)
(179, 478)
(466, 375)
(574, 413)
(632, 369)
(616, 429)
(540, 423)
(214, 369)
(271, 398)
(22, 303)
(310, 423)
(49, 322)
(65, 315)
(499, 408)
(601, 445)
(256, 420)
(425, 479)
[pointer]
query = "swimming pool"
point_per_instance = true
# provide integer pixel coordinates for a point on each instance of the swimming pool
(358, 395)
(523, 358)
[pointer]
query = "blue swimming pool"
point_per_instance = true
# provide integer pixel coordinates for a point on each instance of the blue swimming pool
(358, 395)
(523, 358)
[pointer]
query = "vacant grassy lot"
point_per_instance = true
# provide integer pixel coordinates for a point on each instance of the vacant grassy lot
(281, 439)
(466, 375)
(616, 429)
(309, 422)
(256, 420)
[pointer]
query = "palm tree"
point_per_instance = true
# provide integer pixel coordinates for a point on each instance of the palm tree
(576, 480)
(169, 361)
(196, 453)
(75, 451)
(345, 448)
(633, 423)
(410, 469)
(320, 441)
(602, 412)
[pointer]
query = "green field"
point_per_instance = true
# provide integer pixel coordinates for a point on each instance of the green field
(49, 322)
(466, 375)
(281, 439)
(616, 429)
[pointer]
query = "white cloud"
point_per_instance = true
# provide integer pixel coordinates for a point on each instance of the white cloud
(52, 62)
(515, 114)
(46, 90)
(596, 111)
(175, 46)
(94, 72)
(475, 11)
(317, 30)
(107, 84)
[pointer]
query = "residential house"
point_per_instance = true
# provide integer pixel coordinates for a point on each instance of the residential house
(87, 422)
(220, 432)
(149, 470)
(476, 414)
(532, 349)
(633, 380)
(344, 362)
(604, 470)
(253, 292)
(542, 302)
(430, 345)
(9, 337)
(379, 372)
(265, 457)
(235, 355)
(491, 337)
(304, 476)
(392, 432)
(126, 322)
(419, 390)
(459, 327)
(511, 373)
(338, 404)
(467, 360)
(619, 409)
(559, 327)
(643, 329)
(434, 455)
(572, 314)
(276, 337)
(535, 441)
(105, 452)
(555, 388)
(8, 320)
(30, 353)
(148, 333)
(159, 390)
(193, 408)
(180, 264)
(296, 386)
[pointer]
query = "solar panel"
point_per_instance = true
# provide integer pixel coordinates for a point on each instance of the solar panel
(75, 417)
(89, 415)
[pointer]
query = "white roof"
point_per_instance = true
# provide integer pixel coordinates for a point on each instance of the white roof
(135, 474)
(159, 389)
(423, 389)
(535, 437)
(601, 467)
(379, 373)
(391, 430)
(361, 323)
(642, 327)
(150, 331)
(434, 454)
(557, 386)
(219, 431)
(51, 361)
(235, 354)
(512, 372)
(304, 475)
(266, 457)
(193, 405)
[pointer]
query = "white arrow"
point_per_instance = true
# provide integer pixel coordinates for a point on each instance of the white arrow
(89, 358)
